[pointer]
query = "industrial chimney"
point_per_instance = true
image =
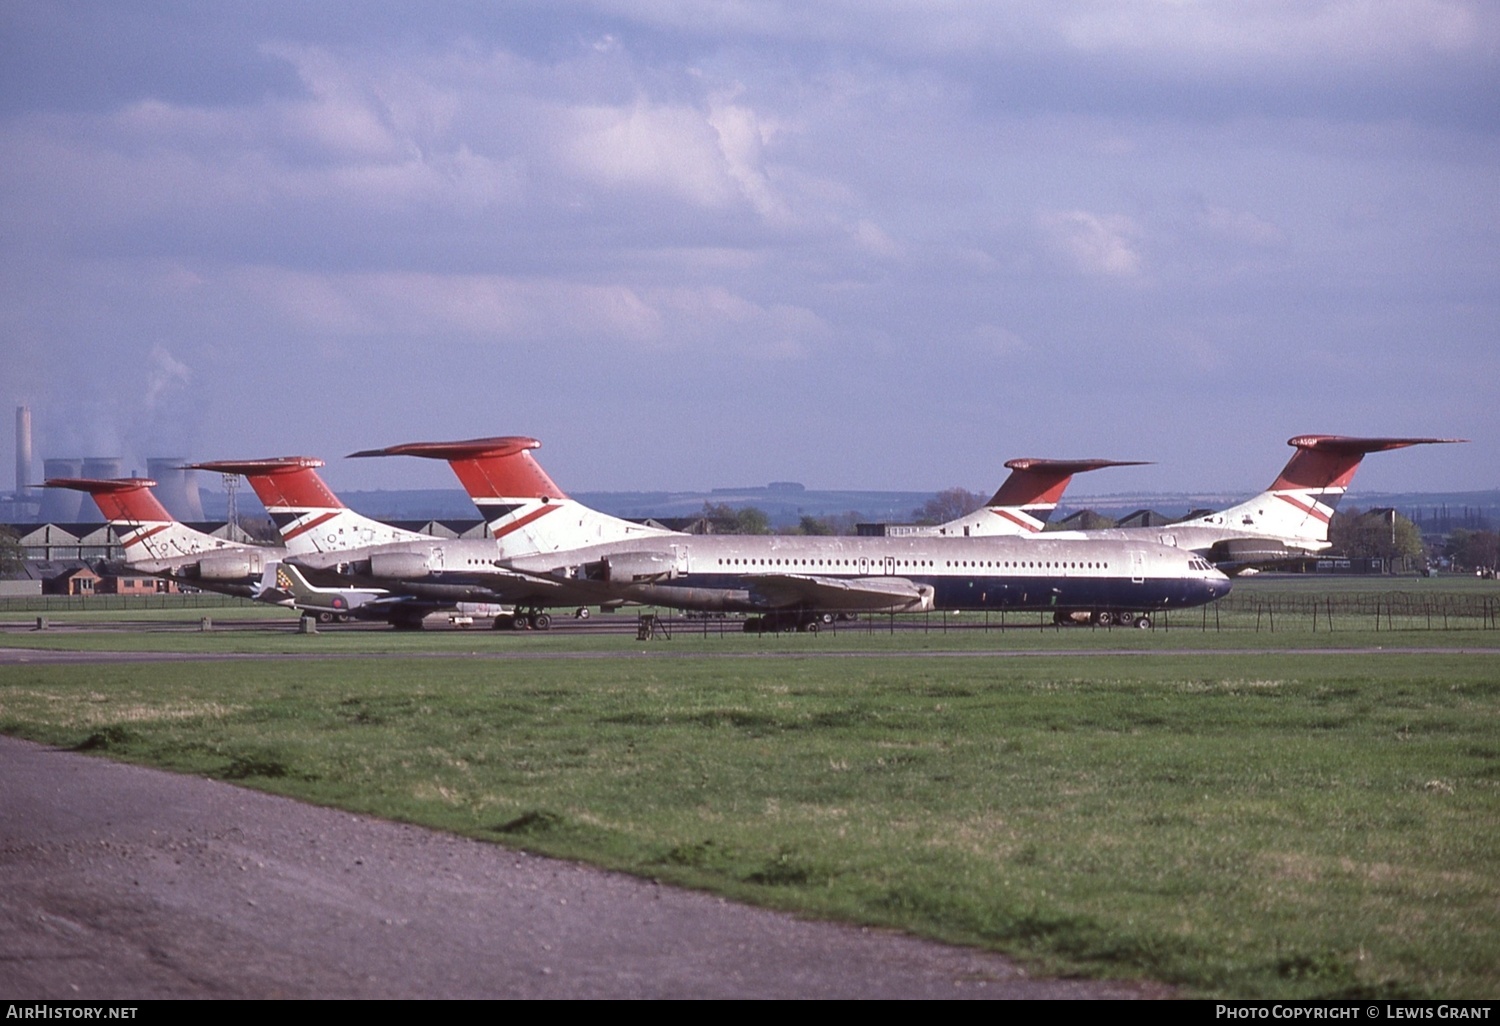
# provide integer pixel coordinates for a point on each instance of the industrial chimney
(23, 451)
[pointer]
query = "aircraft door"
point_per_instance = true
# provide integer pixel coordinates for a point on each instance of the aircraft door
(890, 566)
(1137, 567)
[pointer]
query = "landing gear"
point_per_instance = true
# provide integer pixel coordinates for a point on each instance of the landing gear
(408, 622)
(1123, 618)
(531, 620)
(581, 613)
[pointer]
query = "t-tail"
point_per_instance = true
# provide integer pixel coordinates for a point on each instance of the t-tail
(306, 512)
(1027, 498)
(1300, 503)
(146, 530)
(526, 512)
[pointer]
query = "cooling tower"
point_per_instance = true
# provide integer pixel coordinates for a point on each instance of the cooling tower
(176, 488)
(103, 467)
(62, 505)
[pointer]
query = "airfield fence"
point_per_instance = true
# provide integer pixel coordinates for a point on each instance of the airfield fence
(1380, 611)
(113, 603)
(1366, 611)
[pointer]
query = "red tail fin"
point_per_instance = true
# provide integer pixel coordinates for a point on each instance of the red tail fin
(1329, 461)
(1035, 482)
(120, 498)
(289, 482)
(489, 468)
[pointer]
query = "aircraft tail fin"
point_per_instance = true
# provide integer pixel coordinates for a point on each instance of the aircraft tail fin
(524, 508)
(310, 517)
(281, 482)
(1301, 501)
(1026, 499)
(146, 530)
(123, 499)
(1028, 496)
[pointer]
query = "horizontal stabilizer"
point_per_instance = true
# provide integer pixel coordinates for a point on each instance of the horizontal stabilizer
(1329, 461)
(119, 498)
(489, 468)
(1038, 481)
(281, 482)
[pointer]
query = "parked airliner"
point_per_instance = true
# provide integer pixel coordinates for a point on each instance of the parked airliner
(1287, 521)
(551, 551)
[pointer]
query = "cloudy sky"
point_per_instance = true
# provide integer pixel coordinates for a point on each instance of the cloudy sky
(854, 243)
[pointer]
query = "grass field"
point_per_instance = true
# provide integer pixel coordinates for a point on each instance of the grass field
(1236, 823)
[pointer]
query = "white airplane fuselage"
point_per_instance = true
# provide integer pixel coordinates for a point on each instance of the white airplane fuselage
(770, 572)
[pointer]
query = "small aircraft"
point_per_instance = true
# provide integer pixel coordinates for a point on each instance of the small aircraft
(1287, 521)
(285, 584)
(585, 557)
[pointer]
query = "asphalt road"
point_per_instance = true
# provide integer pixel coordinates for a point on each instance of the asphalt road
(128, 883)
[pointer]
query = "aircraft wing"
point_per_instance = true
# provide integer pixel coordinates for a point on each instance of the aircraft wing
(895, 594)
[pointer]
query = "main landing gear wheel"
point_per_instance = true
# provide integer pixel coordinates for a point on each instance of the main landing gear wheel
(541, 622)
(1143, 621)
(1102, 618)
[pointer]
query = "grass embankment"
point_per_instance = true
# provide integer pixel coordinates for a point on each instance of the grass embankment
(1245, 825)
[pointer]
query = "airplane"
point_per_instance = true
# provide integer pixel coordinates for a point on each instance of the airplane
(285, 584)
(1285, 522)
(521, 505)
(156, 544)
(312, 519)
(791, 581)
(1024, 501)
(309, 517)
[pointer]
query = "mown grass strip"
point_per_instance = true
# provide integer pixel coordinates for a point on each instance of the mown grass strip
(1239, 825)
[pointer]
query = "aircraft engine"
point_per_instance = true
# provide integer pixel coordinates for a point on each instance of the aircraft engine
(1237, 552)
(400, 566)
(231, 566)
(634, 567)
